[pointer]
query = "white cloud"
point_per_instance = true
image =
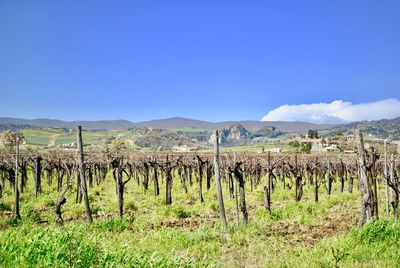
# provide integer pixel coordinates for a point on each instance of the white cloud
(336, 112)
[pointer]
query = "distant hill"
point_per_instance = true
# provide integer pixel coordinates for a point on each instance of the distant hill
(12, 127)
(174, 122)
(385, 128)
(177, 131)
(54, 123)
(267, 131)
(251, 125)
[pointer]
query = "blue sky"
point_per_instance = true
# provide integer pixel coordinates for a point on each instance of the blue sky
(211, 60)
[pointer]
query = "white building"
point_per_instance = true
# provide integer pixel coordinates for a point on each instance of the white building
(275, 150)
(184, 148)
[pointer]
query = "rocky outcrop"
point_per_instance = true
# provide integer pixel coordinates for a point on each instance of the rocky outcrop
(234, 134)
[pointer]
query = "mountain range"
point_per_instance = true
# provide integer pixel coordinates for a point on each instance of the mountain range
(168, 123)
(380, 128)
(384, 128)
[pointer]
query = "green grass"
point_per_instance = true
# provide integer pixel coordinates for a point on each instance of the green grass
(274, 143)
(42, 137)
(39, 137)
(40, 132)
(188, 234)
(34, 140)
(92, 137)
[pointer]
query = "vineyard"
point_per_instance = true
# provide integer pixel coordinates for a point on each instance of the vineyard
(199, 209)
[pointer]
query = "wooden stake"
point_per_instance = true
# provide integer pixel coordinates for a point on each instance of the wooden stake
(83, 184)
(218, 182)
(236, 193)
(16, 201)
(386, 181)
(38, 173)
(395, 189)
(366, 199)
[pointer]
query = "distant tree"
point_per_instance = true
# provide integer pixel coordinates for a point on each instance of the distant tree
(9, 138)
(323, 141)
(339, 133)
(295, 144)
(306, 147)
(118, 146)
(313, 134)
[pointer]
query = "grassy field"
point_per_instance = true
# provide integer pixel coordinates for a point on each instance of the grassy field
(54, 137)
(188, 234)
(39, 137)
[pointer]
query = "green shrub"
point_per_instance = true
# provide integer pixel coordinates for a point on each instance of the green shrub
(295, 144)
(32, 215)
(181, 212)
(130, 205)
(49, 201)
(214, 206)
(5, 207)
(112, 224)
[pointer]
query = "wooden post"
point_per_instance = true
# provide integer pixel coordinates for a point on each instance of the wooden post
(78, 188)
(24, 177)
(267, 199)
(298, 180)
(155, 179)
(351, 181)
(200, 169)
(366, 199)
(208, 175)
(270, 182)
(120, 190)
(190, 175)
(283, 173)
(395, 189)
(218, 182)
(38, 173)
(373, 175)
(236, 192)
(295, 177)
(184, 179)
(145, 176)
(17, 215)
(268, 189)
(83, 184)
(342, 176)
(386, 181)
(328, 160)
(168, 183)
(316, 182)
(230, 186)
(153, 165)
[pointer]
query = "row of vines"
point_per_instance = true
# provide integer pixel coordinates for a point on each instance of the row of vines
(76, 172)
